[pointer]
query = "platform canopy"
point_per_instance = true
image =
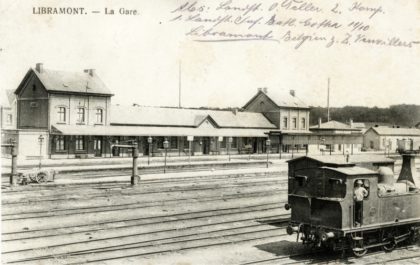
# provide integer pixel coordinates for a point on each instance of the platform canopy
(154, 131)
(306, 137)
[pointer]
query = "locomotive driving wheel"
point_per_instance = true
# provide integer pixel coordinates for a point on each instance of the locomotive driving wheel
(390, 236)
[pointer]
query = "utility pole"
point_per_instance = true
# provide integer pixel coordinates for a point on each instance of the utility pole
(179, 85)
(328, 101)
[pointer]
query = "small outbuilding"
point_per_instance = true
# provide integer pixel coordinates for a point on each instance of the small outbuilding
(385, 138)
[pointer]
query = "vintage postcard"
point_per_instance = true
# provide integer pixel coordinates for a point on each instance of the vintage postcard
(210, 131)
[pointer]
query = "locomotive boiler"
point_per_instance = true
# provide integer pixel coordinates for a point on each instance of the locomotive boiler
(353, 204)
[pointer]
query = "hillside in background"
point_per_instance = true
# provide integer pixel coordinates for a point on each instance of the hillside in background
(402, 115)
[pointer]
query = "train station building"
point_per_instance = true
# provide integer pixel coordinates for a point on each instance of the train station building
(69, 115)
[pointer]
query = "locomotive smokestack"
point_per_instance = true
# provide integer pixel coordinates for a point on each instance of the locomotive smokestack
(408, 170)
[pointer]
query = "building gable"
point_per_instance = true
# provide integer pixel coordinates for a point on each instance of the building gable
(261, 103)
(31, 87)
(371, 131)
(208, 123)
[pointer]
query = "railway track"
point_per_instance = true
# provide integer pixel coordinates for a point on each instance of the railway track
(325, 257)
(51, 186)
(82, 227)
(110, 208)
(155, 169)
(158, 249)
(161, 237)
(113, 222)
(137, 195)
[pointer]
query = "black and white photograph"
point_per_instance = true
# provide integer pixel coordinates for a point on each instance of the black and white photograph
(210, 132)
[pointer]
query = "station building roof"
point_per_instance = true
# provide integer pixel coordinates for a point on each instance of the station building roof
(83, 82)
(154, 131)
(389, 131)
(281, 99)
(185, 117)
(334, 125)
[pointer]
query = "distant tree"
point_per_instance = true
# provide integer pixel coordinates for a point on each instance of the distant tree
(403, 115)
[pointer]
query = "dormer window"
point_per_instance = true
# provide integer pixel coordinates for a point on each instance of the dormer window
(80, 115)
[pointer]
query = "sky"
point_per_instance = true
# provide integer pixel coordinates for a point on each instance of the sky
(139, 57)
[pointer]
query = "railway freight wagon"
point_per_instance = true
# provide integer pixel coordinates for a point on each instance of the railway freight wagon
(346, 206)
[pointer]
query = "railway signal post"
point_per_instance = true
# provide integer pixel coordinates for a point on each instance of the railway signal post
(268, 146)
(165, 146)
(135, 176)
(149, 141)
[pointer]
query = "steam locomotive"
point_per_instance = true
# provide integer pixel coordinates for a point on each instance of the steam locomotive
(324, 212)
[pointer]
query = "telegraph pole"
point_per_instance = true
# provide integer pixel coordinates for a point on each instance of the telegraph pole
(328, 101)
(179, 85)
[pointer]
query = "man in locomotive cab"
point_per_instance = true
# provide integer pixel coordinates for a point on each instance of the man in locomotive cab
(359, 194)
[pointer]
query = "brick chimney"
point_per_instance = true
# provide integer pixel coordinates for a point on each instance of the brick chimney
(235, 111)
(319, 122)
(39, 67)
(292, 92)
(265, 90)
(91, 72)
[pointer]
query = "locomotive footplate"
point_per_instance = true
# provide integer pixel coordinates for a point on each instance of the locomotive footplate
(358, 241)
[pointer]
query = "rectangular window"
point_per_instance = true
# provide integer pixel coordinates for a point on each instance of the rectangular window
(303, 123)
(62, 114)
(81, 115)
(186, 143)
(285, 123)
(223, 143)
(60, 144)
(9, 119)
(99, 115)
(80, 143)
(294, 123)
(234, 143)
(173, 142)
(159, 142)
